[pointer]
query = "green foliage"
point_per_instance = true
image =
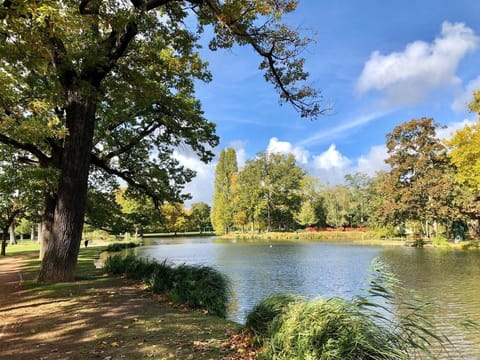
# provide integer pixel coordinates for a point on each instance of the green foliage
(440, 240)
(161, 278)
(224, 191)
(199, 218)
(333, 329)
(199, 287)
(120, 246)
(261, 318)
(270, 190)
(337, 329)
(129, 266)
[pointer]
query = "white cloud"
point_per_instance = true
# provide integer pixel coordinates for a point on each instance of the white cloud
(447, 132)
(239, 147)
(342, 129)
(373, 161)
(408, 76)
(330, 159)
(201, 187)
(460, 103)
(284, 147)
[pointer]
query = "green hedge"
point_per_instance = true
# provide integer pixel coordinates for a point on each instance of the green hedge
(199, 287)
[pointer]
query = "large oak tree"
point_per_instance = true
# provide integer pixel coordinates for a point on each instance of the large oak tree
(107, 87)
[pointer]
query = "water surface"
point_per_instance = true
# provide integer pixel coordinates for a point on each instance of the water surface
(449, 280)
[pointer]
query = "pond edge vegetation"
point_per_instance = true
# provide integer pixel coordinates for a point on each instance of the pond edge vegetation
(287, 326)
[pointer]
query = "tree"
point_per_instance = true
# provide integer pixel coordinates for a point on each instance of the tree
(337, 205)
(200, 217)
(99, 85)
(249, 192)
(224, 191)
(419, 185)
(20, 192)
(306, 216)
(358, 184)
(174, 217)
(465, 155)
(279, 188)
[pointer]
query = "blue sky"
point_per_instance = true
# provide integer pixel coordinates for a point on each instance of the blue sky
(379, 63)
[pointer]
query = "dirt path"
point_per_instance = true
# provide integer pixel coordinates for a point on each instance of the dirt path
(106, 318)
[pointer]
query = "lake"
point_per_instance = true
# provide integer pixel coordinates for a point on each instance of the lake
(448, 279)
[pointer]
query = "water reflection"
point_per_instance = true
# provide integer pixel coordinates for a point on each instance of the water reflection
(450, 280)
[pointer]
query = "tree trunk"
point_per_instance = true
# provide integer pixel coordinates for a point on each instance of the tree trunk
(11, 231)
(4, 243)
(47, 224)
(63, 243)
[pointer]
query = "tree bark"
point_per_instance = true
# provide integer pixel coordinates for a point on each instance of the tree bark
(4, 244)
(47, 224)
(63, 241)
(11, 230)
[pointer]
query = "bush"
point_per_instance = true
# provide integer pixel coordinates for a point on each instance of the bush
(333, 329)
(120, 246)
(196, 286)
(114, 265)
(160, 280)
(361, 328)
(261, 318)
(201, 287)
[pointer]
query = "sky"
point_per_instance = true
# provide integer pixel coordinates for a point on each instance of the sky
(377, 63)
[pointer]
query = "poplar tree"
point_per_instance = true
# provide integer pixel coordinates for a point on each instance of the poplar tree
(223, 209)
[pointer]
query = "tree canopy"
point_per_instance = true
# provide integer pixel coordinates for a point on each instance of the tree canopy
(106, 88)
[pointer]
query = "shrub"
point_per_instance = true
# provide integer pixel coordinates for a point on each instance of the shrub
(201, 287)
(362, 328)
(196, 286)
(120, 246)
(333, 329)
(260, 319)
(160, 279)
(114, 265)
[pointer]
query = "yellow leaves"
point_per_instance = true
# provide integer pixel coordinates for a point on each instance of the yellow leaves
(465, 153)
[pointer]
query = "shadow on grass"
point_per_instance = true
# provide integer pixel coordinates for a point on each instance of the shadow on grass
(100, 317)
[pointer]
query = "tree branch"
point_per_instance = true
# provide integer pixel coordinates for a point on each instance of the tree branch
(133, 142)
(115, 47)
(102, 164)
(32, 149)
(64, 68)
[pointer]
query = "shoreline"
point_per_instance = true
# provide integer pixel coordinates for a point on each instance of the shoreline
(365, 238)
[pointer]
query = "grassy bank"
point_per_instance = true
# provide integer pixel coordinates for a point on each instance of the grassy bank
(373, 238)
(365, 237)
(100, 316)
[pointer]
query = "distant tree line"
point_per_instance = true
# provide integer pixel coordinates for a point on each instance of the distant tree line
(432, 188)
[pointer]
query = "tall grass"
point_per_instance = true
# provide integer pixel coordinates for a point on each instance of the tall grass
(121, 246)
(375, 327)
(199, 287)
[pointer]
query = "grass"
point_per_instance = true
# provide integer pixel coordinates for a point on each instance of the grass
(356, 237)
(121, 246)
(199, 287)
(101, 316)
(23, 247)
(367, 328)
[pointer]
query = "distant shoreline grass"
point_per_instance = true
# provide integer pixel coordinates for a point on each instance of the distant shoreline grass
(179, 234)
(368, 238)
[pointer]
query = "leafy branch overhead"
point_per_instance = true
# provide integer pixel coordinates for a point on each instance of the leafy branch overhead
(138, 62)
(101, 90)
